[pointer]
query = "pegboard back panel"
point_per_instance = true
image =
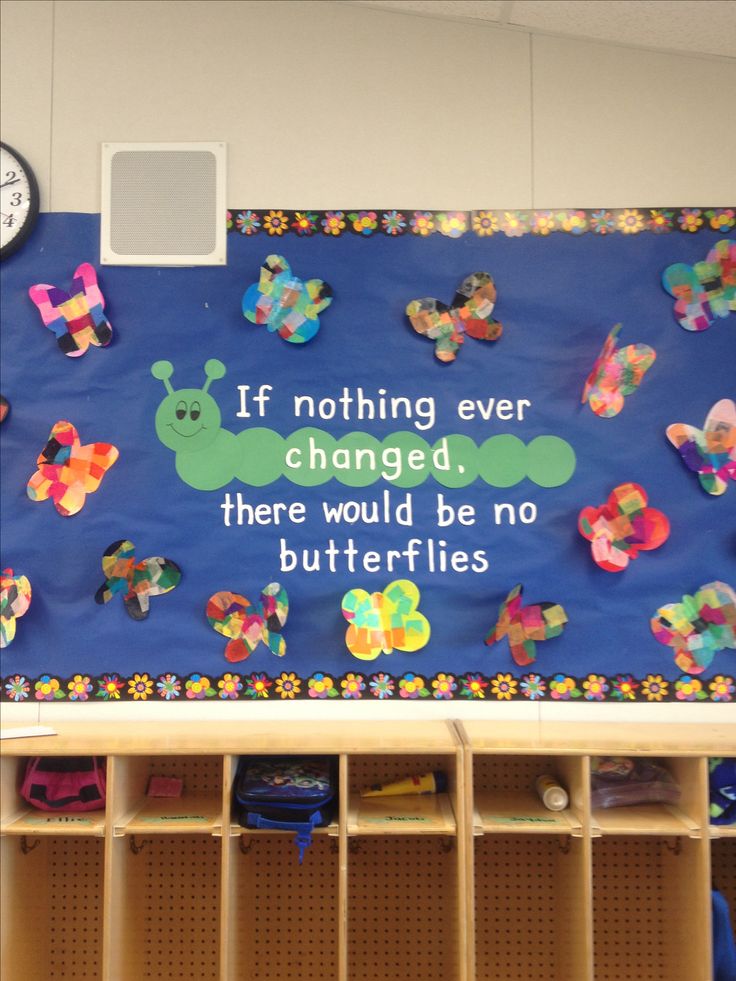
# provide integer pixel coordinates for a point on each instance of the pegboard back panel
(283, 916)
(379, 768)
(402, 910)
(54, 910)
(645, 891)
(170, 921)
(529, 908)
(508, 774)
(201, 774)
(723, 869)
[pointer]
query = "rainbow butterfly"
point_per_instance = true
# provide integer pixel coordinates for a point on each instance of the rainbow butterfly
(76, 317)
(709, 452)
(469, 313)
(15, 598)
(68, 471)
(525, 625)
(286, 305)
(699, 626)
(622, 527)
(137, 581)
(615, 374)
(705, 290)
(247, 624)
(380, 622)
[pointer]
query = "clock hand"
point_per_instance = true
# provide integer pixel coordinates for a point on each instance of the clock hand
(15, 180)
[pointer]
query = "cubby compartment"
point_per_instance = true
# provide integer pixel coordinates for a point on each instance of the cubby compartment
(651, 909)
(282, 918)
(531, 908)
(505, 799)
(404, 918)
(686, 817)
(199, 808)
(723, 870)
(422, 814)
(52, 908)
(17, 817)
(164, 907)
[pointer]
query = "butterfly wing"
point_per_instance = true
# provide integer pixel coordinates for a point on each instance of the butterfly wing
(260, 298)
(150, 577)
(364, 637)
(118, 561)
(598, 369)
(274, 609)
(404, 627)
(473, 305)
(507, 612)
(233, 616)
(433, 319)
(710, 452)
(15, 598)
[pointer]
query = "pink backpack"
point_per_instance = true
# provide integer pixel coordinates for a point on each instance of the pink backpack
(68, 783)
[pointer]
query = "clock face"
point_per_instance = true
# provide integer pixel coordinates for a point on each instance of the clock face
(18, 200)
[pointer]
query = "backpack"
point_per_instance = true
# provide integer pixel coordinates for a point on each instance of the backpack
(68, 783)
(293, 793)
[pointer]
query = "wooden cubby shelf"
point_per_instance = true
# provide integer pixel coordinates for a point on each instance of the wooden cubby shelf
(478, 883)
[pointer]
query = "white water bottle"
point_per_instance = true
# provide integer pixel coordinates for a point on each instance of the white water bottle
(553, 796)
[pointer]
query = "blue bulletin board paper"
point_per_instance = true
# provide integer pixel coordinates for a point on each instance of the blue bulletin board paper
(558, 297)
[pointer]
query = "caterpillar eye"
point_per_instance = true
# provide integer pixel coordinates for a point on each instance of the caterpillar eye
(181, 410)
(196, 410)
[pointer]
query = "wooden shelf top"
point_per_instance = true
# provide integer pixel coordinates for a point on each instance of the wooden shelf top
(252, 737)
(33, 822)
(644, 819)
(520, 811)
(610, 739)
(173, 815)
(425, 814)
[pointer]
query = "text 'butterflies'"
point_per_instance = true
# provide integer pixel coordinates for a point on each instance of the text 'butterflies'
(15, 598)
(525, 625)
(705, 290)
(68, 471)
(709, 452)
(76, 318)
(284, 304)
(382, 622)
(136, 581)
(615, 374)
(469, 313)
(698, 627)
(622, 527)
(247, 624)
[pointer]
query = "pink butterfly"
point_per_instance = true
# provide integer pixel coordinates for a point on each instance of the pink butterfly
(709, 452)
(616, 374)
(76, 317)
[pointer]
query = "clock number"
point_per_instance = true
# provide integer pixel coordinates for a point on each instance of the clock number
(9, 220)
(11, 177)
(16, 199)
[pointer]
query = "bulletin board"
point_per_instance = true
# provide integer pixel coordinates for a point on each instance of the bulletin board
(358, 459)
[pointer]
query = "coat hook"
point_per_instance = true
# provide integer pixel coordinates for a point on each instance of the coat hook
(675, 847)
(245, 844)
(25, 847)
(137, 847)
(447, 844)
(564, 845)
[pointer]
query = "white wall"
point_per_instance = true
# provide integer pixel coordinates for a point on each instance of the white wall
(327, 105)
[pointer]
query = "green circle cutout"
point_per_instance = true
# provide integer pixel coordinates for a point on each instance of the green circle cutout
(551, 461)
(502, 460)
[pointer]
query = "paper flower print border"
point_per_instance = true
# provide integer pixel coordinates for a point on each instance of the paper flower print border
(615, 374)
(525, 625)
(136, 581)
(76, 318)
(709, 452)
(699, 626)
(469, 313)
(15, 598)
(284, 304)
(622, 527)
(705, 290)
(247, 624)
(384, 622)
(68, 471)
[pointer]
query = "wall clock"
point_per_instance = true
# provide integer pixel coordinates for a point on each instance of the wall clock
(19, 200)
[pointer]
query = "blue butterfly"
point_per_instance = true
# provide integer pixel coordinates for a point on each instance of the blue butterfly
(285, 304)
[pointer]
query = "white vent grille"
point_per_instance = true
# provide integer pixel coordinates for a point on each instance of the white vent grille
(163, 204)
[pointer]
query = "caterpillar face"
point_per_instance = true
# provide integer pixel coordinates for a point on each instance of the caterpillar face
(188, 421)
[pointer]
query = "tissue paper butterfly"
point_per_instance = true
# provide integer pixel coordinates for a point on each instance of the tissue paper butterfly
(15, 598)
(380, 622)
(137, 581)
(705, 290)
(68, 471)
(524, 625)
(616, 374)
(622, 527)
(699, 626)
(709, 452)
(247, 624)
(285, 304)
(76, 318)
(469, 313)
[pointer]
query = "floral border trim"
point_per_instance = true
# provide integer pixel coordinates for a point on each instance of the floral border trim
(454, 224)
(471, 686)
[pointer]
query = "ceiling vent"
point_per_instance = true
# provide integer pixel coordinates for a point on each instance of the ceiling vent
(163, 204)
